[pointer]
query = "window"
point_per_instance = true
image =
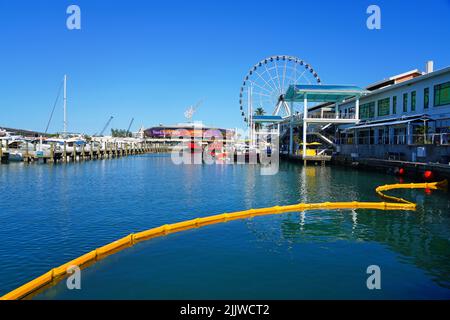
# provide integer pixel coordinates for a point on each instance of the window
(394, 104)
(442, 94)
(405, 102)
(413, 101)
(384, 106)
(367, 110)
(426, 98)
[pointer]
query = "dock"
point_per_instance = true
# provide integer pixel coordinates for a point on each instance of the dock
(108, 150)
(321, 159)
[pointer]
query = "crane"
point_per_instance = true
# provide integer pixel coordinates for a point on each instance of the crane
(129, 126)
(191, 110)
(106, 125)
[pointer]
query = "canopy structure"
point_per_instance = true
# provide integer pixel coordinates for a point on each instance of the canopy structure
(322, 93)
(391, 122)
(335, 94)
(268, 118)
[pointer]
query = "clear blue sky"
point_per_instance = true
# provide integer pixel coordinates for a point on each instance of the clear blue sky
(151, 59)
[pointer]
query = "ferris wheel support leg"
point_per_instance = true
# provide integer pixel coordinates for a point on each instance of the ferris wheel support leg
(277, 109)
(289, 109)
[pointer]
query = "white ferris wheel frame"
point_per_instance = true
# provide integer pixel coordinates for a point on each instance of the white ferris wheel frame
(273, 76)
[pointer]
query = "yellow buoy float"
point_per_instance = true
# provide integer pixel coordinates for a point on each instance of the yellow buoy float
(57, 273)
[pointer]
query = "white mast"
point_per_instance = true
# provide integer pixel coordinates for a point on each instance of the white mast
(65, 106)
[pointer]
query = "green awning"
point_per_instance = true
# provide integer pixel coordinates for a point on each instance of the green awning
(322, 93)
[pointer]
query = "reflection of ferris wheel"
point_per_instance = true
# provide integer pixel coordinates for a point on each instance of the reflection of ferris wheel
(266, 83)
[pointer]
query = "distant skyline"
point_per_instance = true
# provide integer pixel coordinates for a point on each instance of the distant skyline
(151, 60)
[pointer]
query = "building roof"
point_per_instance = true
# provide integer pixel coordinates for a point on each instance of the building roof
(193, 125)
(394, 79)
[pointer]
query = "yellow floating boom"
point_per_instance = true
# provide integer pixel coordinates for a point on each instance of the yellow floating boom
(57, 273)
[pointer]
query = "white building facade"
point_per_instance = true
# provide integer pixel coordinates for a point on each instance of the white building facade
(398, 115)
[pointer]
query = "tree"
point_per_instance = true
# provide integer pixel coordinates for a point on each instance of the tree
(259, 112)
(120, 133)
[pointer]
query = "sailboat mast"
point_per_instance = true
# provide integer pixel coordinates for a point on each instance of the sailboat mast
(65, 105)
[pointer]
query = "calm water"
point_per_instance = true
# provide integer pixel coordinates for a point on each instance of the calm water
(52, 214)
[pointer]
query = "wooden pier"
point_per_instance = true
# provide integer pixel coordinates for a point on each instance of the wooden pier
(108, 150)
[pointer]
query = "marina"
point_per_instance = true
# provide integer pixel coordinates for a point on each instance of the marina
(71, 150)
(220, 154)
(69, 153)
(302, 142)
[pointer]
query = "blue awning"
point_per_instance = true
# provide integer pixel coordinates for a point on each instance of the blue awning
(388, 123)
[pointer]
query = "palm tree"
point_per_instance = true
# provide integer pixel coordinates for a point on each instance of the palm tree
(259, 112)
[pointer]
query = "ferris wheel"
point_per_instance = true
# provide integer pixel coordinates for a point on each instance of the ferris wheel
(266, 83)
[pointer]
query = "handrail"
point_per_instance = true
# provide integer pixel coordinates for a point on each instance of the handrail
(59, 272)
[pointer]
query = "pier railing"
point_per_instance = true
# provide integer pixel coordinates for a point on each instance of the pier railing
(432, 138)
(331, 115)
(439, 139)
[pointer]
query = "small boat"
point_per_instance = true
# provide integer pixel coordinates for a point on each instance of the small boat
(193, 147)
(18, 148)
(72, 144)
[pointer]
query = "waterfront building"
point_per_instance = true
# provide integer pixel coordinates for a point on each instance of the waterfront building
(406, 116)
(167, 133)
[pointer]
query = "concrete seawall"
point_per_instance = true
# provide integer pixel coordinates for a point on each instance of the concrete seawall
(433, 153)
(414, 169)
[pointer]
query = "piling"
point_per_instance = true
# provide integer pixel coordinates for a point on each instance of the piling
(82, 153)
(65, 152)
(52, 153)
(26, 157)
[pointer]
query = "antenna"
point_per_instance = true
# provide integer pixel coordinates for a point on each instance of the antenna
(54, 107)
(188, 114)
(65, 105)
